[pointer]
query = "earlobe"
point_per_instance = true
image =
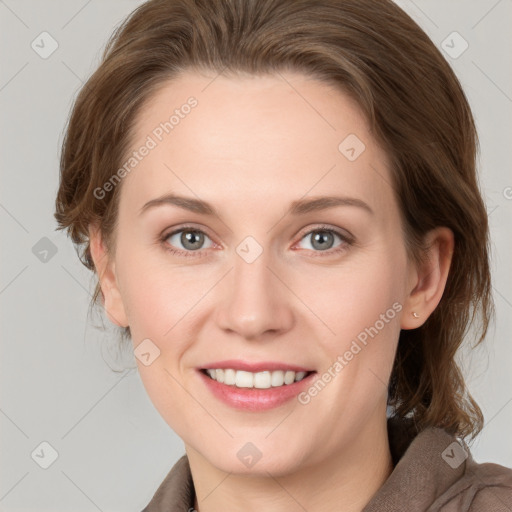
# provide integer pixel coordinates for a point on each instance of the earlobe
(430, 279)
(112, 303)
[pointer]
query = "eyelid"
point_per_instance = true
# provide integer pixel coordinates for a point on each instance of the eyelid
(345, 236)
(342, 233)
(166, 233)
(188, 227)
(307, 230)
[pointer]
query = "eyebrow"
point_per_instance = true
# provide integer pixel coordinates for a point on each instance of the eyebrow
(298, 207)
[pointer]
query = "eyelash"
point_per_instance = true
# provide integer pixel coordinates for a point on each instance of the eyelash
(348, 241)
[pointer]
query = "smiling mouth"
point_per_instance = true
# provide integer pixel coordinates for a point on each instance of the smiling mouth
(259, 380)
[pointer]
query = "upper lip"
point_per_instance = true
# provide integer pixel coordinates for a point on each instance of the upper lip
(237, 364)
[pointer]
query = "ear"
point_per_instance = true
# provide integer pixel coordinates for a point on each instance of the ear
(112, 301)
(427, 282)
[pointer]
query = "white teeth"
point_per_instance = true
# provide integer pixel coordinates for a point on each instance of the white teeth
(289, 377)
(244, 379)
(260, 380)
(229, 377)
(277, 378)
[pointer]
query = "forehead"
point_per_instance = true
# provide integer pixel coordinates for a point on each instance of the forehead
(254, 138)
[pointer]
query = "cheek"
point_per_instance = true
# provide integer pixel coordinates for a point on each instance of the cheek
(152, 290)
(353, 297)
(362, 307)
(165, 388)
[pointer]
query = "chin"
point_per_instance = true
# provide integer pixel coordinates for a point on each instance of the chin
(254, 459)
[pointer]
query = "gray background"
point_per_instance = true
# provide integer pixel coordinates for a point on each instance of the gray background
(56, 382)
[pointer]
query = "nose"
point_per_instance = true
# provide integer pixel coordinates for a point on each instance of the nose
(255, 302)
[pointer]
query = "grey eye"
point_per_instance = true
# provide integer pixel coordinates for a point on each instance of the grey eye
(321, 239)
(190, 239)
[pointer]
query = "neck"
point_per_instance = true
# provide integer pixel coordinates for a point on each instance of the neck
(345, 481)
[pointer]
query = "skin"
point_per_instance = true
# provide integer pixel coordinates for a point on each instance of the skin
(251, 147)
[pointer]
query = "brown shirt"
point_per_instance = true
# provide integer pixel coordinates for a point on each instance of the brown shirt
(432, 472)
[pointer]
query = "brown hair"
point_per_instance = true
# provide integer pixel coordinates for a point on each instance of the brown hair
(411, 98)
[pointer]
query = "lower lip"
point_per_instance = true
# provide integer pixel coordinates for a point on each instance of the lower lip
(254, 399)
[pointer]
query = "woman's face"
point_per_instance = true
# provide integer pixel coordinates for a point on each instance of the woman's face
(266, 278)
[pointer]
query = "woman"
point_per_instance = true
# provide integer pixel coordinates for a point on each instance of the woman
(215, 150)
